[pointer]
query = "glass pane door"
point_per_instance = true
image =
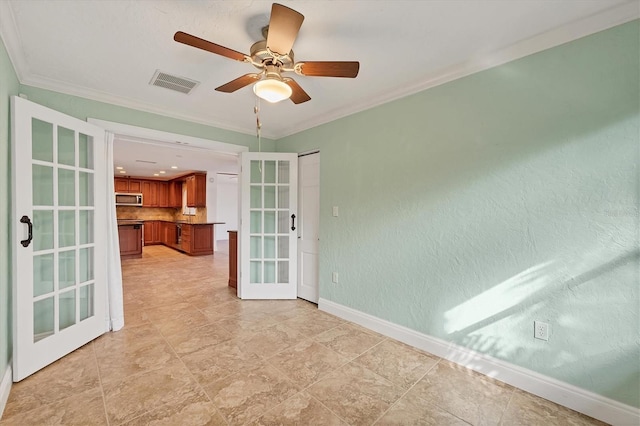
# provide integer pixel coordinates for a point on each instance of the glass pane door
(58, 263)
(62, 176)
(267, 235)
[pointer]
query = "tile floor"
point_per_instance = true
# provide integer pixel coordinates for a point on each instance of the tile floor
(191, 353)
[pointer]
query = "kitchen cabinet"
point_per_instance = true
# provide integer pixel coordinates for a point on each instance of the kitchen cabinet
(149, 193)
(121, 184)
(169, 234)
(233, 259)
(130, 237)
(135, 186)
(197, 190)
(152, 234)
(128, 185)
(163, 194)
(197, 239)
(185, 244)
(175, 194)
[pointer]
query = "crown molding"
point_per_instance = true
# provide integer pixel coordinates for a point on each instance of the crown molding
(12, 41)
(99, 96)
(578, 29)
(592, 24)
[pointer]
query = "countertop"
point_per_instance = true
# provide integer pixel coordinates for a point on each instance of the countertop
(124, 222)
(181, 222)
(186, 222)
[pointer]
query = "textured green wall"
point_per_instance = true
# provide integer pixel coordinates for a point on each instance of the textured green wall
(83, 108)
(80, 108)
(8, 86)
(469, 210)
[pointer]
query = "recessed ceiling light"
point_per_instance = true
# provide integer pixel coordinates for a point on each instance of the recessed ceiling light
(155, 174)
(122, 171)
(162, 172)
(174, 167)
(118, 168)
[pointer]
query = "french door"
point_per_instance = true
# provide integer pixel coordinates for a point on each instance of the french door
(308, 226)
(58, 235)
(268, 237)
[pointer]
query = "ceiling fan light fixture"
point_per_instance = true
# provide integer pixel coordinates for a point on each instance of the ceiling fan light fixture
(272, 90)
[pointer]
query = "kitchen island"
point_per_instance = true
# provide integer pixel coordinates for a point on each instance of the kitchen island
(194, 239)
(130, 236)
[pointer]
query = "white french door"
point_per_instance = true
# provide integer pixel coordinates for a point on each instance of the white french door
(58, 235)
(308, 228)
(268, 237)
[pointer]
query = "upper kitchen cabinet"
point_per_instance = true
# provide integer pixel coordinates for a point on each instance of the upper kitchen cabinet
(128, 185)
(149, 193)
(197, 190)
(175, 194)
(163, 194)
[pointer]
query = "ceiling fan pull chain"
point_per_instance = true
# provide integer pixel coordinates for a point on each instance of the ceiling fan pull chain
(256, 110)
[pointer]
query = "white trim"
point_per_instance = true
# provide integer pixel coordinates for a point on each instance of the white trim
(12, 42)
(584, 27)
(581, 400)
(5, 388)
(161, 137)
(603, 20)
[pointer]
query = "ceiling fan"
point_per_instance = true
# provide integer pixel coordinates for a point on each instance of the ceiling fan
(273, 56)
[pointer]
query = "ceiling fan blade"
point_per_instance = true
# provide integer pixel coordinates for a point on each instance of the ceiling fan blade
(299, 95)
(329, 69)
(238, 83)
(194, 41)
(283, 29)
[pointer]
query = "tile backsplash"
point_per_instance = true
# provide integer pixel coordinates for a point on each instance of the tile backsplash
(160, 213)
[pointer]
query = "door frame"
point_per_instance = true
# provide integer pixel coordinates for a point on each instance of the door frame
(161, 138)
(275, 290)
(300, 198)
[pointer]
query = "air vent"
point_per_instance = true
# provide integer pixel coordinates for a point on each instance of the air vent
(173, 82)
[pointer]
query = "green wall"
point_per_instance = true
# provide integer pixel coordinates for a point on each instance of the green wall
(8, 86)
(469, 210)
(83, 108)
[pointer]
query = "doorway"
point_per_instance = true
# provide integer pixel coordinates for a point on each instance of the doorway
(308, 229)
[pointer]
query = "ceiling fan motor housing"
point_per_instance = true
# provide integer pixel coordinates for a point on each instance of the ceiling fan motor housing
(261, 55)
(284, 24)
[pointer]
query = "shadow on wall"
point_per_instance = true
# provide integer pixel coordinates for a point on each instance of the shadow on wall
(507, 176)
(475, 323)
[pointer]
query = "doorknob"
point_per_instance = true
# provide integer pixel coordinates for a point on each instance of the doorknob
(25, 219)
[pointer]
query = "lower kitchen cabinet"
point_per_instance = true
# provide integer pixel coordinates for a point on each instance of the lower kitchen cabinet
(130, 237)
(152, 232)
(194, 239)
(233, 259)
(197, 239)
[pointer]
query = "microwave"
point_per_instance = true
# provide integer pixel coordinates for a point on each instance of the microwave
(124, 199)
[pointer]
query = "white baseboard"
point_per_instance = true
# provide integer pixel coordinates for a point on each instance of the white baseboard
(578, 399)
(5, 388)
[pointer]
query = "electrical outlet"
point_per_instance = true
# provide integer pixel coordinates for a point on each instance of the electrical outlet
(541, 330)
(334, 277)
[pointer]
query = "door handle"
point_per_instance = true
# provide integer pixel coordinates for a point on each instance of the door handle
(293, 222)
(25, 219)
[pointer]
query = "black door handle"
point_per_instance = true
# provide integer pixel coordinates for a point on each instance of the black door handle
(25, 219)
(293, 222)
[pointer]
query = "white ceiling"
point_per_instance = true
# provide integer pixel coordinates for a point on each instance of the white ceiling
(134, 156)
(108, 50)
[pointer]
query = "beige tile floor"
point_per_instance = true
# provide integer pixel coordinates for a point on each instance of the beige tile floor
(191, 353)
